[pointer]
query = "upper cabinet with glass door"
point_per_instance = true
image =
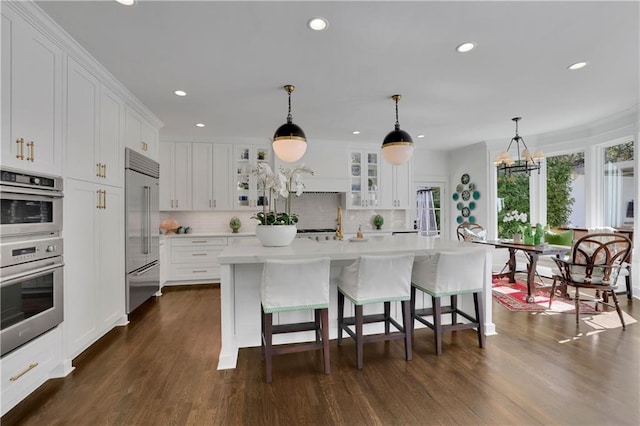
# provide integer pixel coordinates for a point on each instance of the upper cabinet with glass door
(364, 176)
(247, 193)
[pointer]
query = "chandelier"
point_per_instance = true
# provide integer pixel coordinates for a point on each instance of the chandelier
(524, 162)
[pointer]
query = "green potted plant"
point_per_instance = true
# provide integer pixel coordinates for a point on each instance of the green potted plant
(235, 224)
(378, 221)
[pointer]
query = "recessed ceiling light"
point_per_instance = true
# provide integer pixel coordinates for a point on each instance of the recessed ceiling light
(317, 24)
(356, 132)
(465, 47)
(126, 2)
(199, 125)
(420, 136)
(577, 66)
(180, 93)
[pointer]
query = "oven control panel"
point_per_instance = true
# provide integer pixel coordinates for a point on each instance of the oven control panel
(13, 253)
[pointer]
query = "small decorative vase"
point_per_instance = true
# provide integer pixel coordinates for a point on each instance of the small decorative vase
(276, 235)
(517, 238)
(528, 239)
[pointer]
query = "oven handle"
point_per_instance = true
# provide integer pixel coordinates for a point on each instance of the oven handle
(30, 191)
(10, 279)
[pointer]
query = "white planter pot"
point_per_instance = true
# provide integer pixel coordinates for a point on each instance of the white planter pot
(276, 235)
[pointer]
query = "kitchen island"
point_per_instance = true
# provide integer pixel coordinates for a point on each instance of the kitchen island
(241, 268)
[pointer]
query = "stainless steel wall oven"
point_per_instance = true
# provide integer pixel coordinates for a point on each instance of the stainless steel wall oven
(31, 261)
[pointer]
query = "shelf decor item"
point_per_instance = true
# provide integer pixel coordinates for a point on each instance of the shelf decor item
(378, 221)
(235, 224)
(277, 229)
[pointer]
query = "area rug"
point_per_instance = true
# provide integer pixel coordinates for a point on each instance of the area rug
(513, 296)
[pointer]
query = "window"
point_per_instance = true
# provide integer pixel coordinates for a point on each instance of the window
(513, 194)
(429, 211)
(566, 190)
(618, 184)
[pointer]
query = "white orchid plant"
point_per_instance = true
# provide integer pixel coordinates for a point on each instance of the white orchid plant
(513, 222)
(286, 183)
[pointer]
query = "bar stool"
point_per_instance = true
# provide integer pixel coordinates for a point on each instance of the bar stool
(375, 279)
(295, 285)
(450, 273)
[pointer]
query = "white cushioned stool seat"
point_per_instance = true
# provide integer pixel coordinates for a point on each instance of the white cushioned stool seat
(294, 285)
(375, 279)
(450, 274)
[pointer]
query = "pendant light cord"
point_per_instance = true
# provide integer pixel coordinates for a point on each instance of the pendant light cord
(397, 122)
(289, 117)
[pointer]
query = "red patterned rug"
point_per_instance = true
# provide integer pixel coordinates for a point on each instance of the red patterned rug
(513, 297)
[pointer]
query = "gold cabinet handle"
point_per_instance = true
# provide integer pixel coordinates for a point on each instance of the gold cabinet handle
(104, 171)
(176, 204)
(32, 149)
(98, 167)
(214, 204)
(171, 203)
(104, 198)
(99, 192)
(22, 373)
(144, 146)
(20, 154)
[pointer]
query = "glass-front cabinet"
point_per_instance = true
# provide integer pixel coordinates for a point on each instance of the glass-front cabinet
(364, 176)
(247, 193)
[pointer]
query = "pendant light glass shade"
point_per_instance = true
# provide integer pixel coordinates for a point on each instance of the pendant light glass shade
(397, 146)
(289, 141)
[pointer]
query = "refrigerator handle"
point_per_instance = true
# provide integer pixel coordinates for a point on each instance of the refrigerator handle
(147, 220)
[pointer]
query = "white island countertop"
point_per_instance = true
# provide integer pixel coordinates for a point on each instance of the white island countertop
(241, 266)
(251, 251)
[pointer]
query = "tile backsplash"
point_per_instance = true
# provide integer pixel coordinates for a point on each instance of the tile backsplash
(314, 209)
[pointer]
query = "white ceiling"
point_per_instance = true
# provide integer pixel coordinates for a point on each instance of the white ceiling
(232, 58)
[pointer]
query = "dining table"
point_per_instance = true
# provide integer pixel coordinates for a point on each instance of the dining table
(533, 253)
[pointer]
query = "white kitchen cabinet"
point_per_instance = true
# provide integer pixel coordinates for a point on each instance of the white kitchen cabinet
(247, 193)
(31, 97)
(194, 260)
(175, 176)
(26, 368)
(395, 186)
(164, 260)
(364, 179)
(94, 288)
(140, 135)
(94, 149)
(211, 171)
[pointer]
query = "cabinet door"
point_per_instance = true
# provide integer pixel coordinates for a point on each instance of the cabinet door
(221, 174)
(110, 292)
(111, 152)
(31, 97)
(182, 176)
(80, 275)
(202, 176)
(83, 91)
(402, 185)
(364, 178)
(166, 176)
(133, 130)
(149, 140)
(247, 193)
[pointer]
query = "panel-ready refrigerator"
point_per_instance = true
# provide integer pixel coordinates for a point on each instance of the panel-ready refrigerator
(142, 237)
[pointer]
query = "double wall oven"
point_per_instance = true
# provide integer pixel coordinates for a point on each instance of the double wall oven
(31, 261)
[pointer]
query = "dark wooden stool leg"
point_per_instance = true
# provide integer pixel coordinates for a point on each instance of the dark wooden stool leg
(408, 319)
(412, 308)
(477, 301)
(359, 337)
(437, 323)
(577, 304)
(325, 340)
(262, 330)
(268, 335)
(454, 306)
(340, 316)
(316, 316)
(387, 314)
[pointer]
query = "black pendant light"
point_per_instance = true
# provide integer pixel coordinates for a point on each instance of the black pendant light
(397, 147)
(289, 141)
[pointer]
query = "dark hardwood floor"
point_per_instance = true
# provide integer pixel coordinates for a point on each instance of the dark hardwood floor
(161, 370)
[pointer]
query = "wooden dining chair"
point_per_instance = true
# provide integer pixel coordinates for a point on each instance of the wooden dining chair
(595, 263)
(468, 231)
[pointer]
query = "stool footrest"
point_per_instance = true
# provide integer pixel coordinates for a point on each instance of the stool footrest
(291, 328)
